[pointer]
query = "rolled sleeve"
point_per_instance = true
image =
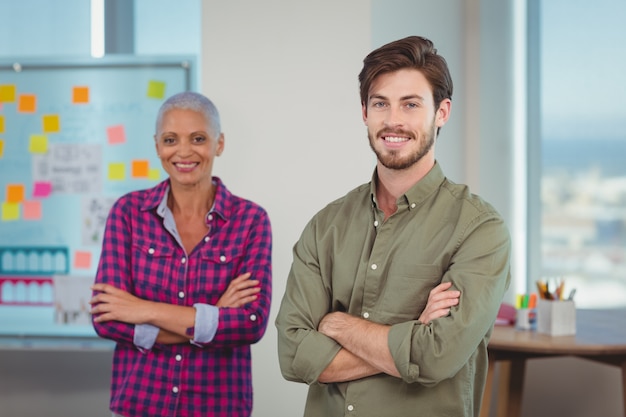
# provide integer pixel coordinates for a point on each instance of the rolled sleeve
(207, 320)
(145, 336)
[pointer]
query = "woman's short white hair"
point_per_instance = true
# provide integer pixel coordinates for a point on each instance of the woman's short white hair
(189, 100)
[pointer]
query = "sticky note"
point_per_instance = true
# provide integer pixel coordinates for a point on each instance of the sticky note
(7, 93)
(38, 144)
(116, 171)
(27, 103)
(42, 189)
(51, 123)
(156, 89)
(31, 210)
(10, 211)
(80, 95)
(15, 193)
(140, 168)
(154, 174)
(82, 259)
(1, 123)
(116, 134)
(1, 148)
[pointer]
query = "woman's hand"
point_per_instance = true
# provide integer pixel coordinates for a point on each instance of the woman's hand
(439, 302)
(242, 290)
(111, 303)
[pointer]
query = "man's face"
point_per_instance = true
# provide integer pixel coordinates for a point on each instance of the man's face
(402, 120)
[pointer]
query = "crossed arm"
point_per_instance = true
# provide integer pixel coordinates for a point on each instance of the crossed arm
(111, 303)
(365, 350)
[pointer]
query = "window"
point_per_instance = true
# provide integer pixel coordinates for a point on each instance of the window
(581, 70)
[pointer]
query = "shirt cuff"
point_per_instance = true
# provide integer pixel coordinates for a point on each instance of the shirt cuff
(207, 319)
(145, 336)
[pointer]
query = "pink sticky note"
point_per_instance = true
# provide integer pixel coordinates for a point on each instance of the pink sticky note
(31, 210)
(116, 134)
(42, 189)
(82, 259)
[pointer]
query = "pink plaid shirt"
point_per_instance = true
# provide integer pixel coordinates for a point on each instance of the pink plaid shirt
(140, 256)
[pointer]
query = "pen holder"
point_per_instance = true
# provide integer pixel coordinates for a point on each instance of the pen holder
(526, 319)
(556, 318)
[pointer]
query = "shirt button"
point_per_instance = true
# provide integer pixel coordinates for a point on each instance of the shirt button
(209, 217)
(175, 390)
(179, 358)
(253, 317)
(181, 294)
(183, 260)
(412, 205)
(374, 266)
(206, 238)
(223, 258)
(366, 314)
(375, 223)
(350, 407)
(151, 251)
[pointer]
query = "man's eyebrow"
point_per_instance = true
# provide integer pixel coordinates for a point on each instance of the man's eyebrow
(403, 98)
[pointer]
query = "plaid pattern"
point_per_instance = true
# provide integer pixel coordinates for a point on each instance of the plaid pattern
(140, 256)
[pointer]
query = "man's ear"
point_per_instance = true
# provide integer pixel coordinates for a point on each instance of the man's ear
(443, 112)
(364, 112)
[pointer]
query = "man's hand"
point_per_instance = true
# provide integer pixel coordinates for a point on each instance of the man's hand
(240, 291)
(440, 299)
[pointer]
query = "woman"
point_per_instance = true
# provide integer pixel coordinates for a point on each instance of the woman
(184, 281)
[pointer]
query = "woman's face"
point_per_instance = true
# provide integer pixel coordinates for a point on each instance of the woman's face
(186, 145)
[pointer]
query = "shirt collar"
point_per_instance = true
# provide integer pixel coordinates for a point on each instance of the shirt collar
(157, 198)
(419, 192)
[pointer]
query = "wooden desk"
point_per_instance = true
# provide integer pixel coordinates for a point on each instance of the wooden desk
(600, 336)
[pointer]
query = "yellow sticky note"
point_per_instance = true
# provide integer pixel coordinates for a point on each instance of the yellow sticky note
(31, 210)
(154, 174)
(156, 89)
(15, 193)
(80, 95)
(1, 123)
(117, 171)
(38, 144)
(1, 148)
(10, 211)
(82, 259)
(140, 168)
(27, 103)
(51, 123)
(7, 93)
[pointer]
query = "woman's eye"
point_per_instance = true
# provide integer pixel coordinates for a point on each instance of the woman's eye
(168, 141)
(199, 139)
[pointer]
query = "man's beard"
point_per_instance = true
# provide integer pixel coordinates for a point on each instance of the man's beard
(391, 158)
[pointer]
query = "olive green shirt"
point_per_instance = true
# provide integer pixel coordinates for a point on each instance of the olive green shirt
(350, 259)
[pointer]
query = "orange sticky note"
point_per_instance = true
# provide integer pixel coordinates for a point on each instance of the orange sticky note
(31, 210)
(1, 123)
(10, 211)
(80, 95)
(1, 148)
(140, 169)
(27, 103)
(154, 174)
(82, 259)
(116, 134)
(116, 171)
(51, 123)
(156, 89)
(15, 193)
(7, 93)
(38, 144)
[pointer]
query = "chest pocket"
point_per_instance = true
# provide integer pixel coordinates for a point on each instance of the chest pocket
(406, 291)
(153, 268)
(217, 267)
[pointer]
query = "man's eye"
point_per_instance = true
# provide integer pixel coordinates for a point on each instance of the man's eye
(378, 104)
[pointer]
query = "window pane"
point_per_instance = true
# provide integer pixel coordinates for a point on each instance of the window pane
(583, 136)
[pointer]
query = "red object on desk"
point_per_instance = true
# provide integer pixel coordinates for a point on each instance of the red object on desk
(506, 315)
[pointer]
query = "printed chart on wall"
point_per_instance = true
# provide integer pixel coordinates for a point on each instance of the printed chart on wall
(75, 135)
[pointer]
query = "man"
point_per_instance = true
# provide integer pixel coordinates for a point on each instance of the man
(395, 287)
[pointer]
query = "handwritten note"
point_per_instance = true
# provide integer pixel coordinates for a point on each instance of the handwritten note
(70, 168)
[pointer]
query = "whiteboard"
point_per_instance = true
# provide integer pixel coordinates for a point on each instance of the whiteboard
(75, 135)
